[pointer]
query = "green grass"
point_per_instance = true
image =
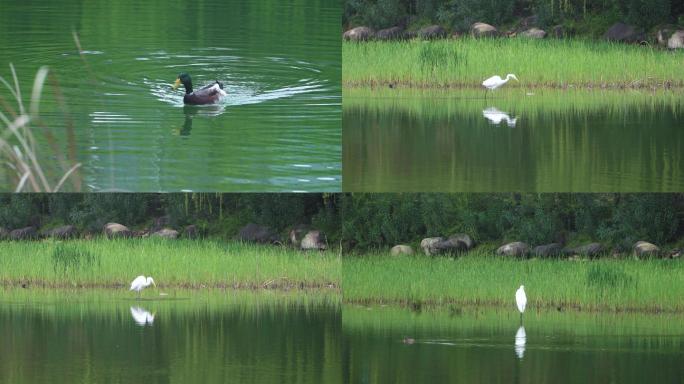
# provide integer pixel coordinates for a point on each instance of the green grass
(537, 63)
(478, 279)
(179, 263)
(437, 103)
(400, 321)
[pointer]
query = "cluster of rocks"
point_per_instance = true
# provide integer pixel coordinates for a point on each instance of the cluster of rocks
(669, 37)
(460, 242)
(300, 236)
(32, 233)
(433, 246)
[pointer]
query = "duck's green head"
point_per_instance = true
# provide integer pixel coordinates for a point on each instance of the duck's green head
(184, 79)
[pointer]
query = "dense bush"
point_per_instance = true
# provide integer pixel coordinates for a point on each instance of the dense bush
(382, 220)
(215, 212)
(460, 14)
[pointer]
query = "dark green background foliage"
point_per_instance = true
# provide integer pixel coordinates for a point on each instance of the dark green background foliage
(214, 213)
(382, 220)
(460, 14)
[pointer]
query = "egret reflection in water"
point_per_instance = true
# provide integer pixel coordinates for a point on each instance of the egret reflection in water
(141, 316)
(495, 116)
(520, 341)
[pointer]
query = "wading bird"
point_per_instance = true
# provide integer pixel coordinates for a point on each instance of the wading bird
(521, 300)
(208, 94)
(141, 282)
(495, 82)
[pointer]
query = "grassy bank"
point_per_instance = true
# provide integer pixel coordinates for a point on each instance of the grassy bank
(436, 103)
(537, 63)
(179, 263)
(608, 284)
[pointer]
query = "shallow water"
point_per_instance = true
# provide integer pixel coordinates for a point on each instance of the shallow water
(277, 130)
(515, 140)
(185, 337)
(487, 346)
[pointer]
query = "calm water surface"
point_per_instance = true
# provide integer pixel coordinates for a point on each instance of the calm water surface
(452, 346)
(277, 130)
(185, 337)
(515, 140)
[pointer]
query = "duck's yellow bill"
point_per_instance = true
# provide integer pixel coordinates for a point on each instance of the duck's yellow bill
(176, 84)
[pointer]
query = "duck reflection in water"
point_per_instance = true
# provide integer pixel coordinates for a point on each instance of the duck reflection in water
(192, 111)
(520, 341)
(141, 316)
(496, 116)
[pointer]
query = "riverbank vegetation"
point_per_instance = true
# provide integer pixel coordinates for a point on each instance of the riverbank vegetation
(173, 264)
(466, 62)
(380, 221)
(439, 103)
(215, 215)
(482, 279)
(579, 17)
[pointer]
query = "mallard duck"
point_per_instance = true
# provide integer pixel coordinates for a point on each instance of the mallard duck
(208, 94)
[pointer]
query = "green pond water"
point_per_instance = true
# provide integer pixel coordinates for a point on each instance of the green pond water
(278, 129)
(185, 337)
(488, 346)
(533, 140)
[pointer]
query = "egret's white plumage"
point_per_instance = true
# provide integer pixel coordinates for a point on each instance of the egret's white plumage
(495, 82)
(141, 316)
(521, 299)
(496, 116)
(141, 282)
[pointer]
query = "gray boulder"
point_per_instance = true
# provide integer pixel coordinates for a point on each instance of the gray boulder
(159, 223)
(534, 33)
(643, 248)
(663, 35)
(624, 33)
(547, 250)
(393, 33)
(191, 232)
(483, 30)
(63, 232)
(516, 248)
(428, 245)
(401, 250)
(257, 234)
(432, 32)
(116, 230)
(166, 233)
(26, 233)
(558, 31)
(590, 250)
(314, 239)
(676, 41)
(359, 34)
(297, 234)
(456, 243)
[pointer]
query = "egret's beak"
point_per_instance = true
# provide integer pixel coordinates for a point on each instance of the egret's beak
(155, 284)
(176, 84)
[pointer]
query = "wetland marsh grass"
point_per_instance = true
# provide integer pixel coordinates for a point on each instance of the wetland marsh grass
(481, 279)
(179, 263)
(552, 63)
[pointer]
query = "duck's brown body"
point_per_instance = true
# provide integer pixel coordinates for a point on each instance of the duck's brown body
(208, 94)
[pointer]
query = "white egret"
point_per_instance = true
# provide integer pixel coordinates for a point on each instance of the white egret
(141, 316)
(495, 82)
(496, 116)
(520, 341)
(141, 282)
(521, 300)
